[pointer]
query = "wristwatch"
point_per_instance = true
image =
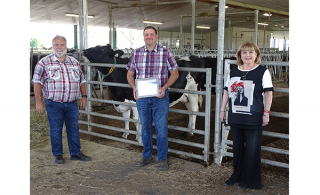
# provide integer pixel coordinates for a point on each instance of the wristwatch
(84, 96)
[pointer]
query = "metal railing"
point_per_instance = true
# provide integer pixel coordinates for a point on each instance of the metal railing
(225, 130)
(206, 114)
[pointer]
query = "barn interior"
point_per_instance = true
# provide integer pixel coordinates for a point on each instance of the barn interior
(178, 29)
(242, 28)
(266, 22)
(175, 16)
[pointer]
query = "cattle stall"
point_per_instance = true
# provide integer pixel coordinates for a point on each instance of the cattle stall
(225, 130)
(203, 132)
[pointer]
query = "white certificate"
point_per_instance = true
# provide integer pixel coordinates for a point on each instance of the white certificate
(148, 87)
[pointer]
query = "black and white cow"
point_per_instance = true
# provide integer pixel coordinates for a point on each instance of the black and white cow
(212, 63)
(186, 80)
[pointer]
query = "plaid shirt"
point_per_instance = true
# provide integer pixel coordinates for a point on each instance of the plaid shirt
(156, 63)
(60, 81)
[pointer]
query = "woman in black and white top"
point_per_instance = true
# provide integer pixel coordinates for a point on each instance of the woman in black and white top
(246, 120)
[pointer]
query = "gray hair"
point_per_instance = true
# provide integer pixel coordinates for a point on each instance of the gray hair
(59, 37)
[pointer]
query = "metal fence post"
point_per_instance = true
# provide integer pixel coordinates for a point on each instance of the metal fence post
(217, 133)
(207, 116)
(89, 104)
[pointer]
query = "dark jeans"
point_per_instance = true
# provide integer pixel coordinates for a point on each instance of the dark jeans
(247, 156)
(157, 109)
(69, 113)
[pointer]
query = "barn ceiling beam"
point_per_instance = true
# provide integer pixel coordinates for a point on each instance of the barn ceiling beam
(151, 4)
(68, 3)
(250, 6)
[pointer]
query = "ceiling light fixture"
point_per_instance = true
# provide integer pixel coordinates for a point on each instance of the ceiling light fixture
(77, 15)
(151, 22)
(265, 24)
(204, 27)
(267, 14)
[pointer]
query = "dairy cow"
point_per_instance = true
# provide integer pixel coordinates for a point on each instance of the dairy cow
(186, 80)
(212, 63)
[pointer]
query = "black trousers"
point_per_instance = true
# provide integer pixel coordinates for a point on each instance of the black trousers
(247, 156)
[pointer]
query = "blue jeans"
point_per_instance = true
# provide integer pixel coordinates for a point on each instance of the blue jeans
(69, 113)
(157, 109)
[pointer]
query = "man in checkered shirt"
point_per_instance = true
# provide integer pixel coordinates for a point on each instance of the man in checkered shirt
(60, 79)
(153, 60)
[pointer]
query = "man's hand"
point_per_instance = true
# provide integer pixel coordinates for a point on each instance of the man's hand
(37, 95)
(162, 92)
(135, 94)
(83, 102)
(39, 107)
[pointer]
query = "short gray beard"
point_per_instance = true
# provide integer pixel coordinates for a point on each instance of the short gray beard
(60, 55)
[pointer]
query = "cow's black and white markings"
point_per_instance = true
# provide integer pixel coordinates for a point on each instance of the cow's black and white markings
(186, 80)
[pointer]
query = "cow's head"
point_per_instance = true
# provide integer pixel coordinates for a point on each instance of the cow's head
(101, 54)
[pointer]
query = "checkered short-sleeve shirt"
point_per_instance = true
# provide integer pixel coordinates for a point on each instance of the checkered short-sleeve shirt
(156, 63)
(60, 81)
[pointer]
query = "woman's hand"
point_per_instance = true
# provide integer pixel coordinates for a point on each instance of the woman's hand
(265, 119)
(223, 116)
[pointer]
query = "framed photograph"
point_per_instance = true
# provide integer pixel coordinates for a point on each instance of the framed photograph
(148, 87)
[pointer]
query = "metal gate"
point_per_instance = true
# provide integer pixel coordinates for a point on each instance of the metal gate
(225, 130)
(205, 132)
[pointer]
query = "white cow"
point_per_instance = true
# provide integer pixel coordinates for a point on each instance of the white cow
(190, 100)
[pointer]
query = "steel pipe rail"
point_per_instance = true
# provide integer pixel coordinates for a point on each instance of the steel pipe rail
(271, 134)
(110, 127)
(111, 102)
(277, 135)
(265, 161)
(279, 114)
(188, 130)
(187, 112)
(111, 137)
(205, 132)
(109, 84)
(268, 149)
(283, 90)
(112, 117)
(182, 142)
(196, 156)
(270, 63)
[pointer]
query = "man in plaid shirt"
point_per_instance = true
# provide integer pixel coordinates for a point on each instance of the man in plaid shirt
(60, 79)
(148, 61)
